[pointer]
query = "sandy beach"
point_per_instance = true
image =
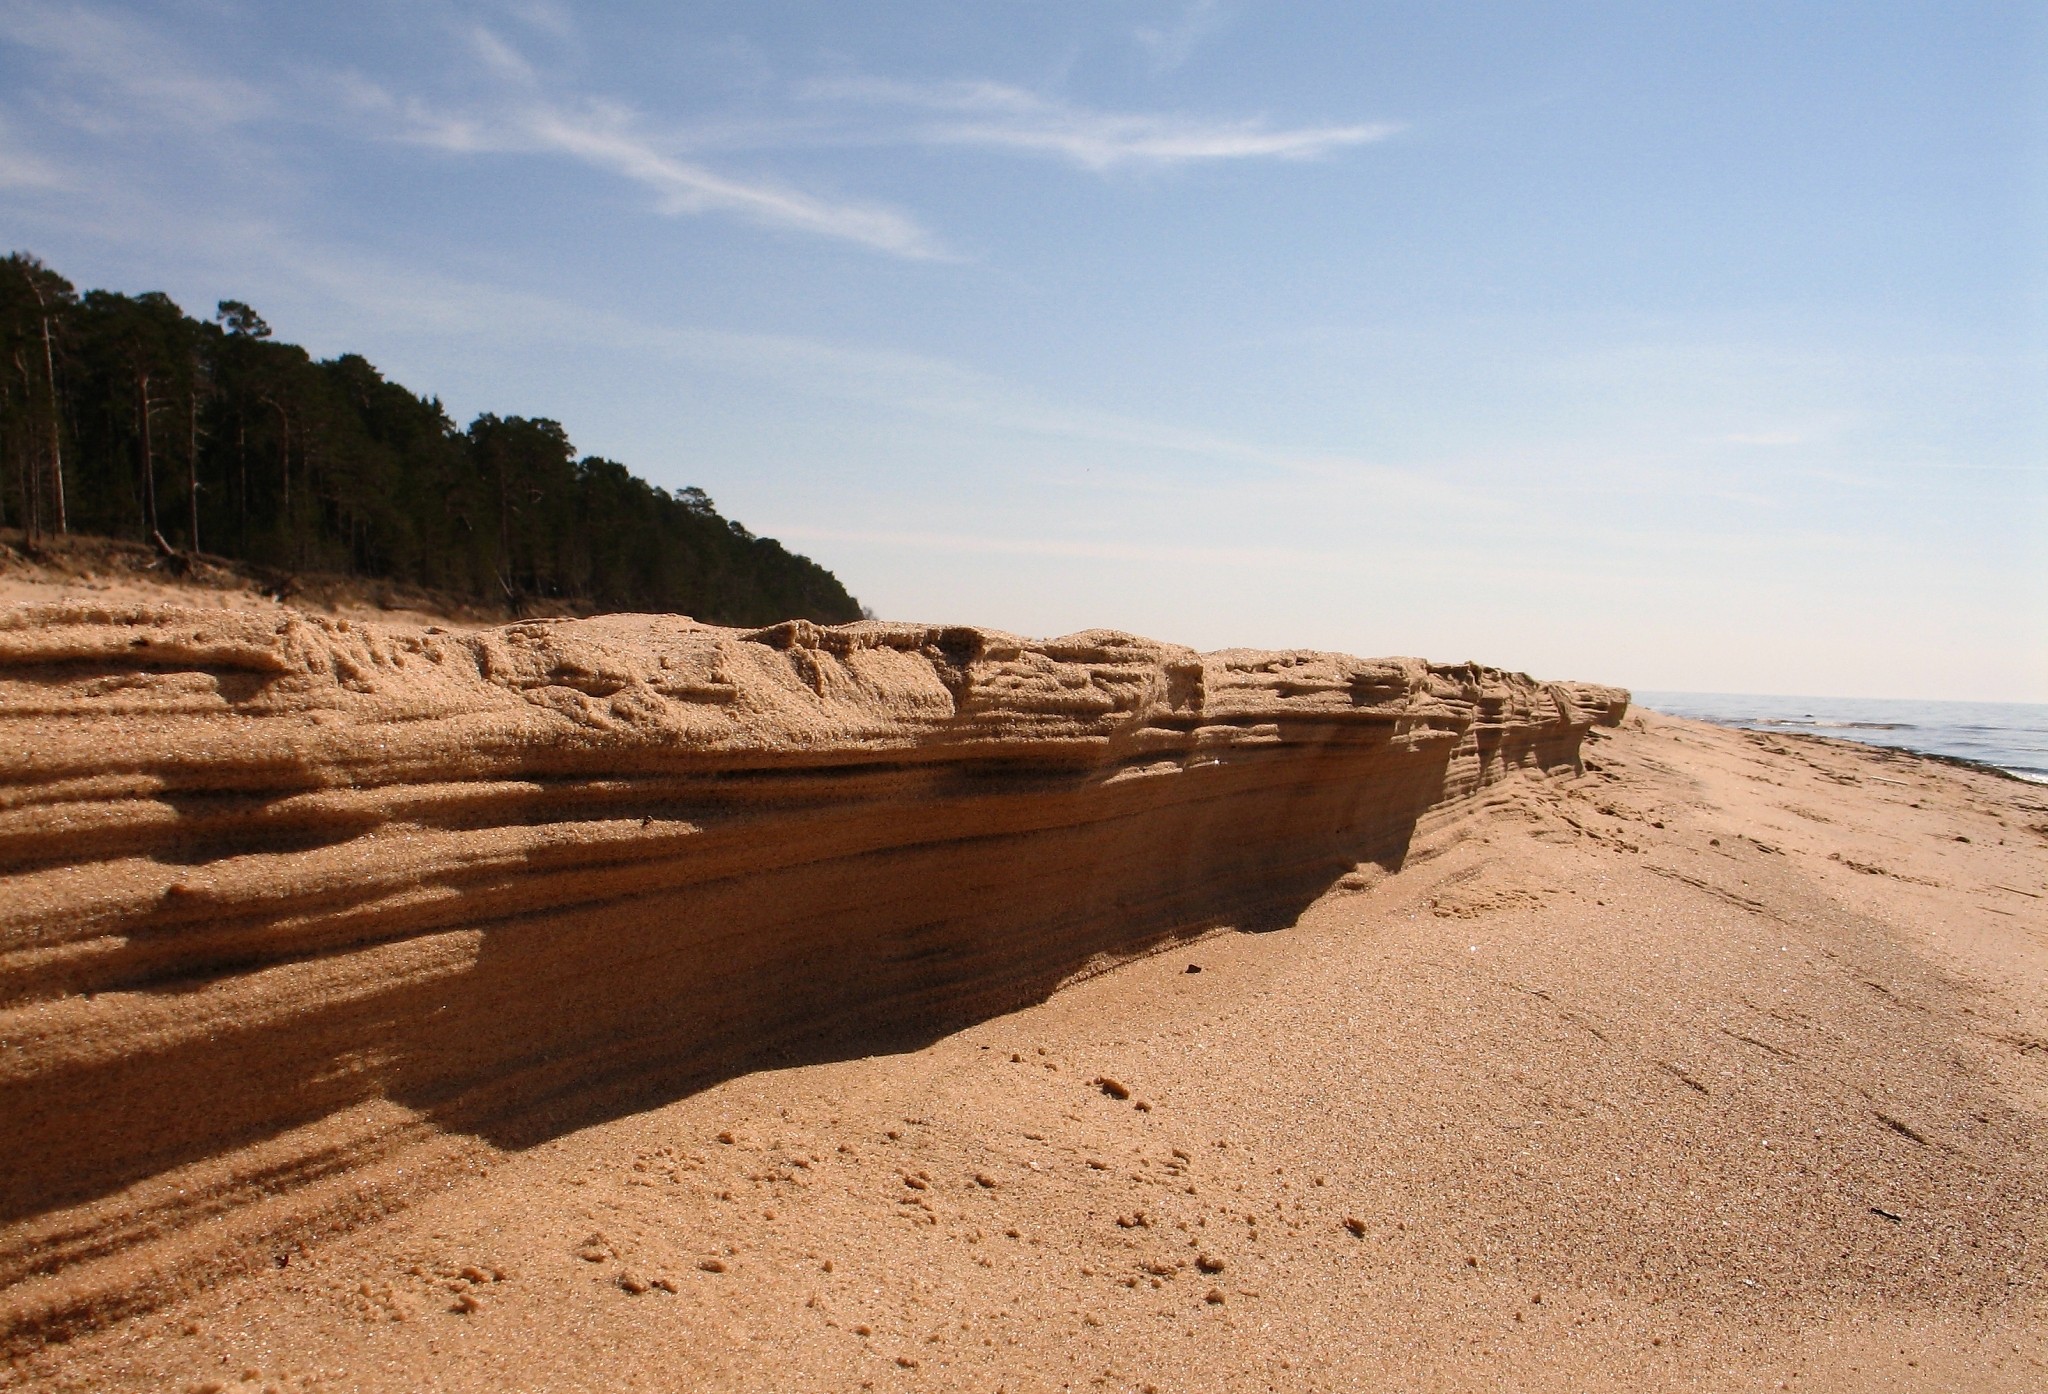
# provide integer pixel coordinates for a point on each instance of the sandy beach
(1720, 1061)
(1174, 697)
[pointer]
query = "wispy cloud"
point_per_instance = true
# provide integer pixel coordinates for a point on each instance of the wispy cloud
(499, 57)
(1173, 44)
(998, 115)
(1264, 559)
(372, 291)
(22, 169)
(545, 16)
(147, 75)
(610, 137)
(523, 117)
(604, 139)
(114, 76)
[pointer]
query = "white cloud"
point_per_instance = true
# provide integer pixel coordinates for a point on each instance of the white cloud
(603, 139)
(1002, 116)
(113, 76)
(144, 72)
(21, 169)
(917, 385)
(1267, 559)
(546, 17)
(1173, 44)
(500, 57)
(609, 137)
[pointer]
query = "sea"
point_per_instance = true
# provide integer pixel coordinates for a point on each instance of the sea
(2013, 736)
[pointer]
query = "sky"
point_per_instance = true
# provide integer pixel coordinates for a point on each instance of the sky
(1688, 346)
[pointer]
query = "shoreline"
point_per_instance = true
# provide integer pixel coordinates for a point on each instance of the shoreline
(2020, 728)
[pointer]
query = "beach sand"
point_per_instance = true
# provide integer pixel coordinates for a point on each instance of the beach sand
(1723, 1065)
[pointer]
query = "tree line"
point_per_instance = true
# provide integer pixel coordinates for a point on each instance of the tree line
(122, 416)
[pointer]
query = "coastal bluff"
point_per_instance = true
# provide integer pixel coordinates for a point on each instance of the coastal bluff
(299, 915)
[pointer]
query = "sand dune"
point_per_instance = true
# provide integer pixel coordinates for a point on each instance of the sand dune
(303, 917)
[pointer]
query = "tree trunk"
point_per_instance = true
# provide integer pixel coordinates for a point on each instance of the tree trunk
(284, 459)
(192, 463)
(31, 516)
(56, 417)
(505, 572)
(149, 515)
(284, 466)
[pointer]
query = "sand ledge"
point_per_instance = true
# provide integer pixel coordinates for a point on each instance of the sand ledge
(305, 915)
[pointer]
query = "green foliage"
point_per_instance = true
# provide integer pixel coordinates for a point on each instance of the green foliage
(121, 415)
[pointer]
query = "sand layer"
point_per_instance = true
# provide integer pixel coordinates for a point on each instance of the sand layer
(304, 916)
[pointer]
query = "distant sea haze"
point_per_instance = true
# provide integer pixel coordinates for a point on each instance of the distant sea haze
(2013, 736)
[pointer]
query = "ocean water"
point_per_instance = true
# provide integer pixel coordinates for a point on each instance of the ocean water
(2011, 735)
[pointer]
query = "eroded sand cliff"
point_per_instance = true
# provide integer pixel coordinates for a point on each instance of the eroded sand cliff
(301, 916)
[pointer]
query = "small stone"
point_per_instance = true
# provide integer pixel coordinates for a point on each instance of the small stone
(1214, 1297)
(712, 1265)
(984, 1180)
(468, 1304)
(1209, 1263)
(1113, 1088)
(1355, 1225)
(1194, 968)
(665, 1284)
(727, 1138)
(633, 1283)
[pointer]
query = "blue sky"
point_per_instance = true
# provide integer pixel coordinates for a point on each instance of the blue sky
(1688, 346)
